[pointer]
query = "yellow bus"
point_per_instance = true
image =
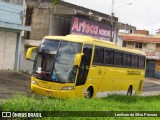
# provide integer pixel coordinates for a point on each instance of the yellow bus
(76, 66)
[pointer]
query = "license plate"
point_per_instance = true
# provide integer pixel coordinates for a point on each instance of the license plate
(48, 92)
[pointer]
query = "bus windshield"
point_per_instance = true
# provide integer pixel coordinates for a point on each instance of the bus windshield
(55, 61)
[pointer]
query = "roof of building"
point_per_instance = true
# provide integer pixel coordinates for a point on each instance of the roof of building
(38, 3)
(142, 38)
(77, 10)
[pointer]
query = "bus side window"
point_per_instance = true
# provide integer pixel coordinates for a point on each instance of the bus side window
(98, 55)
(109, 57)
(118, 58)
(141, 62)
(127, 59)
(135, 60)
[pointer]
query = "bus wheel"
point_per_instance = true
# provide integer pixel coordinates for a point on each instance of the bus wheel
(89, 92)
(129, 92)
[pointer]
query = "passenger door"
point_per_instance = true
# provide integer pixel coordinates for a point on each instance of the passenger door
(83, 70)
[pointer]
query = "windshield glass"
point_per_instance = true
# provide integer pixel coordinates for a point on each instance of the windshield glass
(64, 63)
(55, 59)
(49, 46)
(45, 59)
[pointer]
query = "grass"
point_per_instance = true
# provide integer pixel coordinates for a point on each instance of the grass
(110, 103)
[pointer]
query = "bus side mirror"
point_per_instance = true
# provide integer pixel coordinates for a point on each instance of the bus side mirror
(77, 60)
(31, 53)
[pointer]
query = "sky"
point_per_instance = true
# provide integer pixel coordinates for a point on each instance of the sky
(143, 14)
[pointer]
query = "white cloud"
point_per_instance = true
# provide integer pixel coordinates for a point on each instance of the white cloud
(144, 14)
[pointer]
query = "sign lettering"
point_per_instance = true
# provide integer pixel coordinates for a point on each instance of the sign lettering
(90, 28)
(133, 73)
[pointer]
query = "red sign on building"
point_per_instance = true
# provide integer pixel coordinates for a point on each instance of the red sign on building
(153, 55)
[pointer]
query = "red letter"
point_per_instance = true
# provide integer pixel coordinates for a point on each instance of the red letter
(92, 29)
(75, 25)
(82, 25)
(96, 30)
(87, 28)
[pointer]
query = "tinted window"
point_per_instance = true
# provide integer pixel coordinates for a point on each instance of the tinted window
(134, 61)
(87, 50)
(98, 55)
(118, 58)
(127, 59)
(141, 62)
(109, 57)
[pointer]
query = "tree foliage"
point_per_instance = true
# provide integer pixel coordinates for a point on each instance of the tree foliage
(55, 2)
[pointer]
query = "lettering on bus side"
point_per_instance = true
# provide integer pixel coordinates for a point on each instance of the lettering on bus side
(133, 73)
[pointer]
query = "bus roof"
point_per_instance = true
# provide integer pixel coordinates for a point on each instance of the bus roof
(82, 39)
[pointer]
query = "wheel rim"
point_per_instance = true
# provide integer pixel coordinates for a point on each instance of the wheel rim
(88, 94)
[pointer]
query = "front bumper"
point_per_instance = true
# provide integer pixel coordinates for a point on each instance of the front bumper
(52, 93)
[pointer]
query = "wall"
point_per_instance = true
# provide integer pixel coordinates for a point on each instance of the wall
(25, 65)
(149, 47)
(120, 41)
(40, 23)
(141, 32)
(11, 13)
(44, 23)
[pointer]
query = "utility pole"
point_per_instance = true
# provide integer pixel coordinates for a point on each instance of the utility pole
(112, 20)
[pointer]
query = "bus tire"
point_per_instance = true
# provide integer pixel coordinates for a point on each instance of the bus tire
(89, 92)
(129, 92)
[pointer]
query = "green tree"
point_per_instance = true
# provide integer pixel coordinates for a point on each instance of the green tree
(55, 2)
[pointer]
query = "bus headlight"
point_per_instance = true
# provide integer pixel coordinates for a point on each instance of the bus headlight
(34, 82)
(68, 88)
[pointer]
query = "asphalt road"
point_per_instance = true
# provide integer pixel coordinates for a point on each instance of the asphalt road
(12, 82)
(151, 87)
